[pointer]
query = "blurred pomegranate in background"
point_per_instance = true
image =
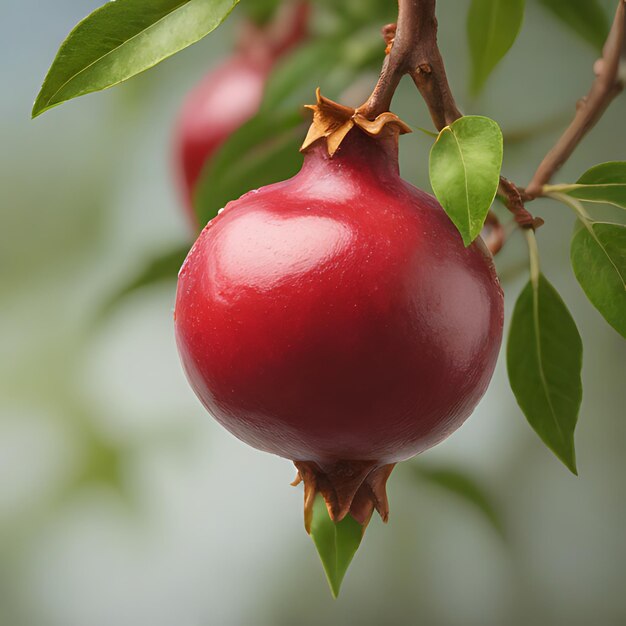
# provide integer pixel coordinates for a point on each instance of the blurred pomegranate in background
(230, 94)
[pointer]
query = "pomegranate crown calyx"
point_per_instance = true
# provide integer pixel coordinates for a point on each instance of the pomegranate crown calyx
(334, 121)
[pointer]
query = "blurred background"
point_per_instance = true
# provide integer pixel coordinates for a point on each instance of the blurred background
(122, 503)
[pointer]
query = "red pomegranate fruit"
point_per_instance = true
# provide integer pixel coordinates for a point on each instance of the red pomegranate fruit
(336, 318)
(230, 95)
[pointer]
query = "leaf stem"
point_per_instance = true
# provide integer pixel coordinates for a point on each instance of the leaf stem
(588, 223)
(573, 204)
(533, 252)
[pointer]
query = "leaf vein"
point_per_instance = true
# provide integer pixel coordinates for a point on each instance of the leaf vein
(467, 202)
(542, 375)
(608, 256)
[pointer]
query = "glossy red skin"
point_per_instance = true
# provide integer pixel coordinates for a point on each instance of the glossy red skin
(337, 315)
(221, 103)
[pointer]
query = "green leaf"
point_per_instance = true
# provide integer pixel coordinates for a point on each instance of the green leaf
(122, 39)
(492, 27)
(162, 268)
(611, 172)
(603, 183)
(336, 543)
(598, 255)
(585, 17)
(463, 486)
(465, 163)
(265, 150)
(544, 360)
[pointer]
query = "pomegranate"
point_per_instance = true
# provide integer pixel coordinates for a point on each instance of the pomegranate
(336, 318)
(230, 95)
(224, 100)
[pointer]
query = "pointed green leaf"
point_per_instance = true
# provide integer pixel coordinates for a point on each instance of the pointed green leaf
(603, 183)
(598, 255)
(465, 163)
(586, 17)
(124, 38)
(463, 486)
(544, 360)
(336, 543)
(492, 27)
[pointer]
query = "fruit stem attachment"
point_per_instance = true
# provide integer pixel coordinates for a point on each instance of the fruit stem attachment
(610, 72)
(573, 204)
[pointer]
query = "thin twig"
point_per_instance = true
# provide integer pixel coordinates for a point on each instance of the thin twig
(608, 84)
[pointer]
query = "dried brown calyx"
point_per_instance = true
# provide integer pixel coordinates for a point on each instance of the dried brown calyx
(334, 121)
(348, 487)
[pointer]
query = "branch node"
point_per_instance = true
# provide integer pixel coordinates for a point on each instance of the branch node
(514, 201)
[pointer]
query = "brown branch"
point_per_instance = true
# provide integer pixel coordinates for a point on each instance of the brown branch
(514, 198)
(607, 85)
(413, 50)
